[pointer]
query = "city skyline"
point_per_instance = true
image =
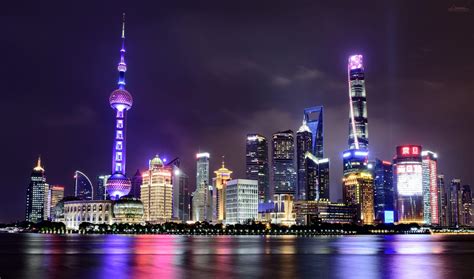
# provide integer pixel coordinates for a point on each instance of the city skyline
(293, 85)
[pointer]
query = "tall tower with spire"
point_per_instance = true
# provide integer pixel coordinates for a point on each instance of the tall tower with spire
(219, 187)
(36, 195)
(121, 101)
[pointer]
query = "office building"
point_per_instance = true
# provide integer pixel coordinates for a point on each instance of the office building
(430, 187)
(382, 173)
(55, 194)
(241, 201)
(358, 190)
(323, 211)
(317, 178)
(101, 193)
(136, 184)
(443, 193)
(313, 118)
(121, 101)
(465, 211)
(181, 193)
(219, 185)
(202, 196)
(256, 165)
(83, 188)
(283, 165)
(303, 145)
(409, 184)
(35, 195)
(156, 192)
(454, 202)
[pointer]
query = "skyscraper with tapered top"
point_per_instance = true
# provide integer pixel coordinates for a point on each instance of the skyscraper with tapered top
(121, 101)
(36, 198)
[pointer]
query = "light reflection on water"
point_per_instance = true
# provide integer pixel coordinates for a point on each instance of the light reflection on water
(166, 256)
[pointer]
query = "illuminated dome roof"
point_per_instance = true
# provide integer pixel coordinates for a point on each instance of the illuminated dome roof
(118, 185)
(156, 162)
(128, 207)
(121, 98)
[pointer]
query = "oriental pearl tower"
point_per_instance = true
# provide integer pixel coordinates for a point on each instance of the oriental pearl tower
(121, 101)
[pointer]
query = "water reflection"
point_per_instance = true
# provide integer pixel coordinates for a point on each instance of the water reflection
(164, 256)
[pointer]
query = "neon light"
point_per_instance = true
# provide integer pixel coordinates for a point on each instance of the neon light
(204, 154)
(347, 154)
(361, 153)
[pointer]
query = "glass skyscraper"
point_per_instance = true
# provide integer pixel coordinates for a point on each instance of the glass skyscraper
(256, 164)
(430, 187)
(313, 117)
(304, 144)
(202, 197)
(283, 165)
(358, 130)
(382, 173)
(36, 195)
(83, 188)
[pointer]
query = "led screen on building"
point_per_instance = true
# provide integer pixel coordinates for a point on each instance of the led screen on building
(409, 179)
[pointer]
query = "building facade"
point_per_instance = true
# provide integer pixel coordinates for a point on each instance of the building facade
(202, 197)
(241, 201)
(283, 165)
(465, 212)
(55, 194)
(443, 194)
(136, 184)
(317, 178)
(157, 192)
(256, 165)
(219, 184)
(181, 195)
(121, 101)
(313, 118)
(304, 144)
(382, 172)
(95, 212)
(454, 202)
(101, 193)
(358, 190)
(36, 195)
(409, 184)
(430, 187)
(323, 211)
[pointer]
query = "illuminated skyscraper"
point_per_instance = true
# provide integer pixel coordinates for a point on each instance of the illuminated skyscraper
(454, 202)
(83, 188)
(409, 184)
(181, 194)
(382, 172)
(156, 192)
(101, 193)
(443, 202)
(121, 101)
(317, 178)
(256, 164)
(465, 212)
(303, 145)
(202, 197)
(313, 117)
(283, 156)
(430, 187)
(35, 195)
(241, 201)
(219, 191)
(358, 104)
(358, 190)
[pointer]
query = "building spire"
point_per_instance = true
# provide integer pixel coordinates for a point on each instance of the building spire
(38, 165)
(223, 163)
(122, 66)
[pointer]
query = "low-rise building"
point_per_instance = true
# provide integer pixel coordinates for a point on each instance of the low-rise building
(91, 211)
(324, 211)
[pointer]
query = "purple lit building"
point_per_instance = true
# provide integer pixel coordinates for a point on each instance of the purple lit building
(121, 101)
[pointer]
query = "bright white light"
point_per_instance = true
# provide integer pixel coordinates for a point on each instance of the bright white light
(347, 154)
(409, 179)
(204, 154)
(177, 172)
(370, 166)
(361, 153)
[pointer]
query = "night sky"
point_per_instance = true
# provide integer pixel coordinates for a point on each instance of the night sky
(202, 77)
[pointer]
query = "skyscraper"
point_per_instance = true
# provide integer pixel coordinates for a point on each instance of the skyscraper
(317, 178)
(136, 184)
(283, 154)
(202, 197)
(241, 201)
(358, 190)
(358, 130)
(35, 195)
(121, 101)
(219, 184)
(430, 187)
(56, 194)
(409, 184)
(443, 202)
(382, 172)
(101, 193)
(83, 188)
(181, 194)
(465, 212)
(454, 202)
(256, 165)
(156, 192)
(304, 144)
(313, 117)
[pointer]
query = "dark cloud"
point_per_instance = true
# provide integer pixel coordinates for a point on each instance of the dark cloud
(203, 76)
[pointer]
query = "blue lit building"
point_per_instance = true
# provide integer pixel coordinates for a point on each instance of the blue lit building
(313, 117)
(121, 101)
(382, 172)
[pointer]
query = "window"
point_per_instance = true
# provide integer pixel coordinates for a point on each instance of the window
(118, 156)
(119, 113)
(118, 167)
(119, 135)
(118, 145)
(119, 123)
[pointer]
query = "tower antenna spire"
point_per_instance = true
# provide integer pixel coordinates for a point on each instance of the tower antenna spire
(122, 66)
